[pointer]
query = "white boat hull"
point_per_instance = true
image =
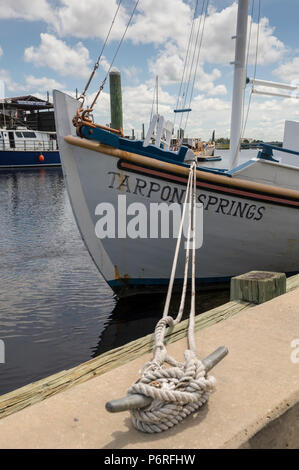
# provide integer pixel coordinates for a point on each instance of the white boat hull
(240, 232)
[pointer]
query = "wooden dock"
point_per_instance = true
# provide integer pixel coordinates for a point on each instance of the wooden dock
(28, 395)
(255, 405)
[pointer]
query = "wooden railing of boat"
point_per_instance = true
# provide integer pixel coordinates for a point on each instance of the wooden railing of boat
(220, 179)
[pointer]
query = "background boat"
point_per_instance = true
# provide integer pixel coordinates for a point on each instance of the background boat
(27, 133)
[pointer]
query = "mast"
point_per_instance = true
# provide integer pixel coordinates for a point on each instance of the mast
(157, 94)
(239, 81)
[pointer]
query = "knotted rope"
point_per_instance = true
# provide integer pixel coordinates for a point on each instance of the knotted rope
(181, 388)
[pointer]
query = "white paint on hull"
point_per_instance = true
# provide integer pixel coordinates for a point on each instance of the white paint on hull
(259, 235)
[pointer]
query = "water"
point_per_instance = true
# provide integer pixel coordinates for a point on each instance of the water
(56, 311)
(53, 303)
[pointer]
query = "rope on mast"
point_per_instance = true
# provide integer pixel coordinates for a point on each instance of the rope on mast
(197, 61)
(255, 69)
(186, 59)
(114, 57)
(96, 66)
(192, 62)
(247, 60)
(83, 115)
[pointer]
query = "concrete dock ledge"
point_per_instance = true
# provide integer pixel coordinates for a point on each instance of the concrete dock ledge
(256, 404)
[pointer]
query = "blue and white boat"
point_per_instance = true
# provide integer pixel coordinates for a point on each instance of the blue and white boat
(21, 147)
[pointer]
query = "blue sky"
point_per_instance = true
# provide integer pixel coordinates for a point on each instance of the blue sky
(46, 44)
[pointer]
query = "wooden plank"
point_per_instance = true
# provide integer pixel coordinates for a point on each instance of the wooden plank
(181, 170)
(257, 286)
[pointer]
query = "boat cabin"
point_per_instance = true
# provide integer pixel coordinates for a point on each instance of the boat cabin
(23, 139)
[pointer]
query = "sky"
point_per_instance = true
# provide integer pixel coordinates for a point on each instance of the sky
(53, 44)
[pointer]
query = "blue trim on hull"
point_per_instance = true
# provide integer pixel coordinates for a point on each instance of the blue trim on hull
(15, 158)
(163, 281)
(136, 146)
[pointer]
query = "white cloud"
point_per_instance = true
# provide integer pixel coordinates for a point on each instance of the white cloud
(1, 51)
(57, 55)
(205, 82)
(42, 84)
(104, 64)
(30, 84)
(89, 19)
(137, 106)
(167, 64)
(9, 84)
(166, 25)
(132, 74)
(32, 10)
(289, 71)
(157, 21)
(169, 67)
(218, 45)
(217, 48)
(270, 48)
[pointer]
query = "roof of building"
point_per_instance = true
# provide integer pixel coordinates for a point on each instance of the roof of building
(27, 102)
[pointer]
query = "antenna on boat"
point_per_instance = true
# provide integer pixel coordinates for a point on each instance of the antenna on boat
(84, 114)
(155, 98)
(2, 100)
(239, 81)
(191, 63)
(157, 94)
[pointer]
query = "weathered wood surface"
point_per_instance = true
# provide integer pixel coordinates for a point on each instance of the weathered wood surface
(292, 283)
(38, 391)
(116, 109)
(257, 286)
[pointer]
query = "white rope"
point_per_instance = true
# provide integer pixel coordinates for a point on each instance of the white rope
(181, 388)
(114, 57)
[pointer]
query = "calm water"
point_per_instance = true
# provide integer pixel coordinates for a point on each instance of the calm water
(56, 311)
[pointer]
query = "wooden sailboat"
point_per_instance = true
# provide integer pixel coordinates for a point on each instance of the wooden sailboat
(250, 212)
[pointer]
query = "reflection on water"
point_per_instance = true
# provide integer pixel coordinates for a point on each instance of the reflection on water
(53, 302)
(56, 311)
(133, 318)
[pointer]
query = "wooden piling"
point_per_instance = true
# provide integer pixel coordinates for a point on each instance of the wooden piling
(257, 286)
(116, 99)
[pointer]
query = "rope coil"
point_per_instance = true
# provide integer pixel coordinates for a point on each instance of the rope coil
(183, 387)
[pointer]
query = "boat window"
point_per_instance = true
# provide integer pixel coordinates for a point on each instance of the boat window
(29, 135)
(19, 134)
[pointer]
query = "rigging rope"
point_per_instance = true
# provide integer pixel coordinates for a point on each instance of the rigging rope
(186, 60)
(247, 60)
(192, 61)
(182, 388)
(254, 73)
(96, 66)
(114, 57)
(85, 113)
(197, 62)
